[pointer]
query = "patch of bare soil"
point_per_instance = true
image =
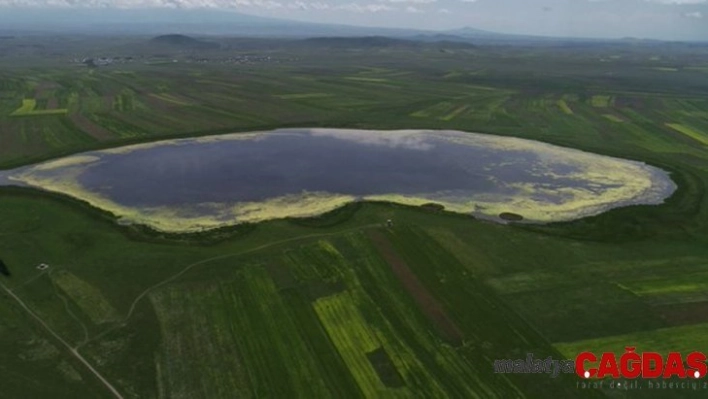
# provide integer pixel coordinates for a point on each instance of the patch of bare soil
(680, 314)
(428, 304)
(89, 127)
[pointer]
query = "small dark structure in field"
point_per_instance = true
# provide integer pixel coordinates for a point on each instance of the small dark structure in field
(43, 266)
(433, 207)
(384, 367)
(389, 223)
(3, 269)
(512, 217)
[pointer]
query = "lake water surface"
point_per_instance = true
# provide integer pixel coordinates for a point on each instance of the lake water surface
(191, 184)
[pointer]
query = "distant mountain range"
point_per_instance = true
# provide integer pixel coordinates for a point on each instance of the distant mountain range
(15, 21)
(178, 42)
(154, 22)
(383, 42)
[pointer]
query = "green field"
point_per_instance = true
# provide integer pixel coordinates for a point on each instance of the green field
(341, 306)
(682, 339)
(563, 105)
(29, 108)
(302, 96)
(690, 132)
(613, 118)
(599, 101)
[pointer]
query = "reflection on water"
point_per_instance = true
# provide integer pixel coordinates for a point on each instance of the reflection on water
(291, 163)
(4, 178)
(234, 178)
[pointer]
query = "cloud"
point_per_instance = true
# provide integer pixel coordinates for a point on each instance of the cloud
(319, 6)
(298, 5)
(695, 14)
(410, 139)
(301, 5)
(444, 11)
(678, 1)
(351, 7)
(356, 7)
(188, 4)
(126, 4)
(413, 10)
(267, 4)
(413, 1)
(213, 4)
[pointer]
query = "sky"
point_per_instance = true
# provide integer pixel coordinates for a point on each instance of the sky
(658, 19)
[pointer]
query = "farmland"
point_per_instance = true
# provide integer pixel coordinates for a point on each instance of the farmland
(341, 305)
(29, 108)
(690, 132)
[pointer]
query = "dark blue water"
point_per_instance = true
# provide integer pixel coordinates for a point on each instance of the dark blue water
(278, 164)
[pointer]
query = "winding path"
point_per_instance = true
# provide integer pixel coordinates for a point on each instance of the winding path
(73, 351)
(231, 255)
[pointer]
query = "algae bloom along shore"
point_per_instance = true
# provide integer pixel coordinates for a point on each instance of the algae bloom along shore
(195, 184)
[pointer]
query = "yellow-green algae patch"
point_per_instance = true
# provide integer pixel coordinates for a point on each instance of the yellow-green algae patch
(630, 180)
(205, 139)
(606, 183)
(66, 162)
(183, 220)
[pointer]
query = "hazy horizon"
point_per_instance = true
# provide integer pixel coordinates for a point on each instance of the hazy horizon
(653, 19)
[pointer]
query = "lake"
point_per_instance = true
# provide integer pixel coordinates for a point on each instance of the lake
(208, 182)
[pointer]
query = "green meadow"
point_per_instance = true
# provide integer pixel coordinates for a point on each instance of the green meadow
(342, 305)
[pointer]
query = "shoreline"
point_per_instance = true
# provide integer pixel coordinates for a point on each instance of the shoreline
(489, 206)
